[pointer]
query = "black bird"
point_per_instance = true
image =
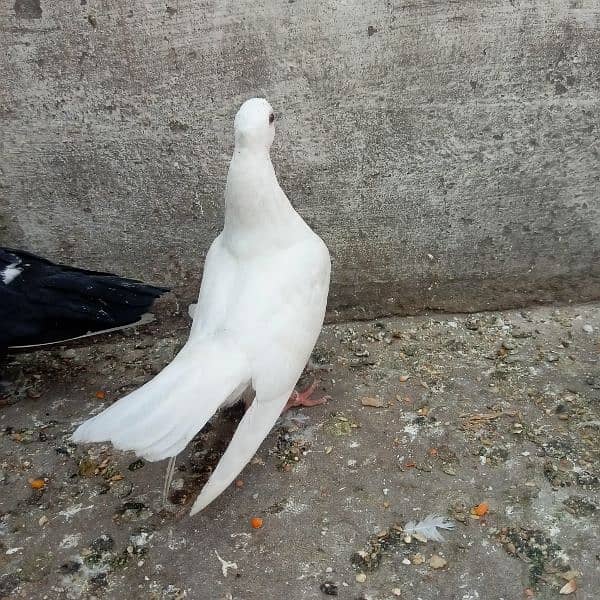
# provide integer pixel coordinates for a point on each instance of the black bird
(42, 302)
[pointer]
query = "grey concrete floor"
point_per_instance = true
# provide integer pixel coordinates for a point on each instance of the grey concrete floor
(429, 415)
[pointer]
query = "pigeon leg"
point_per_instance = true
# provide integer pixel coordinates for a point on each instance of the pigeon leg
(304, 398)
(248, 398)
(169, 478)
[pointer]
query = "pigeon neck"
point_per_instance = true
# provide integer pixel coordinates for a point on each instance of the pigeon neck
(254, 202)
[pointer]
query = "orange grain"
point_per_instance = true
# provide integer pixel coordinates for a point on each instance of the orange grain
(481, 509)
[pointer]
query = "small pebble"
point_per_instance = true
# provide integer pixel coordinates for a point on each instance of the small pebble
(136, 464)
(472, 323)
(121, 489)
(103, 543)
(373, 402)
(569, 587)
(70, 567)
(437, 562)
(329, 588)
(588, 328)
(361, 577)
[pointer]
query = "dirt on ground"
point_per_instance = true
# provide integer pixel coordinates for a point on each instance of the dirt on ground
(489, 421)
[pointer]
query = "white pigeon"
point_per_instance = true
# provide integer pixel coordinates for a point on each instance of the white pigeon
(260, 310)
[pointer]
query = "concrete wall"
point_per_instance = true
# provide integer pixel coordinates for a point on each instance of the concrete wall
(447, 152)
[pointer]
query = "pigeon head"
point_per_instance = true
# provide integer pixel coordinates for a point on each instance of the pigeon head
(255, 125)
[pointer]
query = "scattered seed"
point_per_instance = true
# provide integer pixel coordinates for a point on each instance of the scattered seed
(481, 509)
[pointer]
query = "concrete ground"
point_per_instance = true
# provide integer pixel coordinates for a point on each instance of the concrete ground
(494, 413)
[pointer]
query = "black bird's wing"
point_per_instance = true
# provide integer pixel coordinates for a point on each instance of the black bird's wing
(42, 302)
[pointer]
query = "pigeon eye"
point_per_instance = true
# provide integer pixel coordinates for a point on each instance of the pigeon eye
(271, 118)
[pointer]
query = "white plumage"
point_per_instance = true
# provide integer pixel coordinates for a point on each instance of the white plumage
(10, 273)
(260, 310)
(427, 529)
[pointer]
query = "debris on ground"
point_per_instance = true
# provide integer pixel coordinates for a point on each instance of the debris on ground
(489, 420)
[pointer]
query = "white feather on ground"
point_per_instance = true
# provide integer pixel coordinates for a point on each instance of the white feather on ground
(428, 527)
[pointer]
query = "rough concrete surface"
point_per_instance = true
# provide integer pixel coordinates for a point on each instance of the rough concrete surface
(446, 151)
(490, 420)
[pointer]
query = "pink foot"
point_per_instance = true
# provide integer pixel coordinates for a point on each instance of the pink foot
(304, 398)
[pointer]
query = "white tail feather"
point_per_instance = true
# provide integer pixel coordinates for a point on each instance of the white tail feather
(159, 419)
(252, 430)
